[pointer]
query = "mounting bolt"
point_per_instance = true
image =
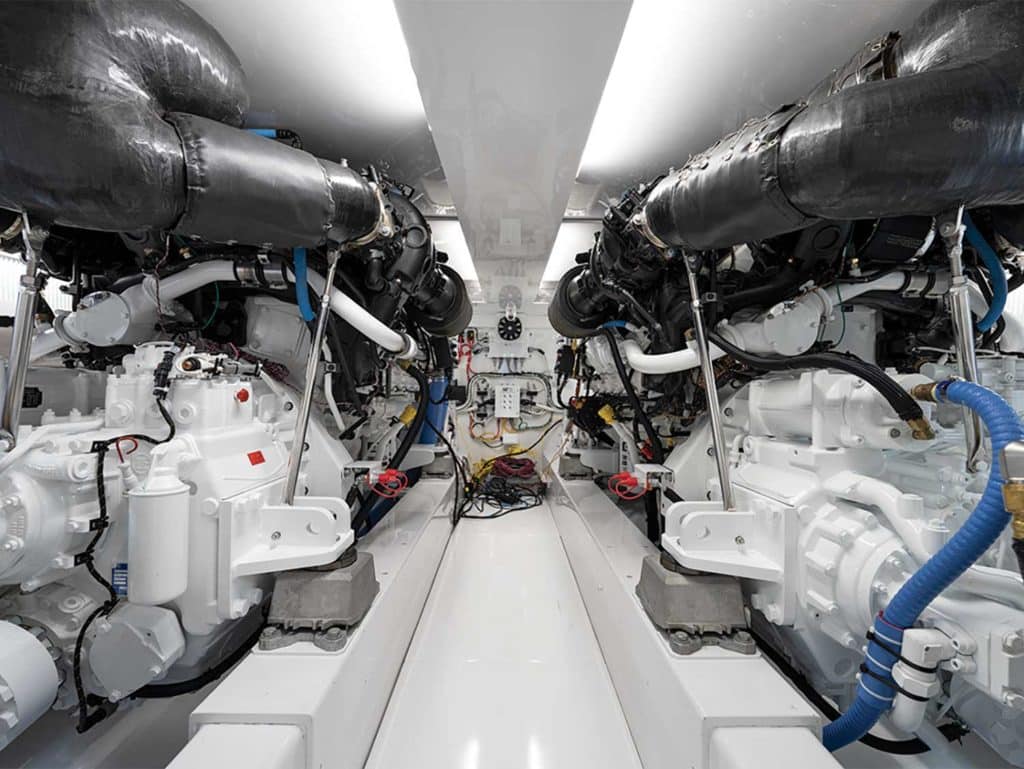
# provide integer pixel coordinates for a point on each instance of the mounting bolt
(270, 632)
(1013, 643)
(740, 540)
(895, 432)
(1012, 698)
(682, 642)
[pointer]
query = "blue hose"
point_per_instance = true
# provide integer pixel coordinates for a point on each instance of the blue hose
(978, 533)
(437, 411)
(301, 285)
(997, 276)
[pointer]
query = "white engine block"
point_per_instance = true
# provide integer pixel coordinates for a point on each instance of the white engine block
(836, 507)
(196, 526)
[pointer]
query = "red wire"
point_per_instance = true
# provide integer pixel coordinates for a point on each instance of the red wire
(117, 445)
(625, 486)
(514, 467)
(390, 484)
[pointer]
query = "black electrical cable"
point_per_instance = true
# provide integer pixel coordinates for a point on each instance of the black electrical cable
(163, 691)
(161, 382)
(902, 402)
(912, 747)
(657, 449)
(461, 477)
(412, 433)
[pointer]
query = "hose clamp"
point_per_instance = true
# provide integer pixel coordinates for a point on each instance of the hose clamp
(410, 350)
(639, 221)
(384, 227)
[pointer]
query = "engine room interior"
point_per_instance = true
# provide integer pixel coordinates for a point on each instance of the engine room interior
(619, 384)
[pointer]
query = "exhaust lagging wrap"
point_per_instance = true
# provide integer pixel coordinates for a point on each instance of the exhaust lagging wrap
(917, 123)
(126, 117)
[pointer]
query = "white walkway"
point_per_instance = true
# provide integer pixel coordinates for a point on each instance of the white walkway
(504, 671)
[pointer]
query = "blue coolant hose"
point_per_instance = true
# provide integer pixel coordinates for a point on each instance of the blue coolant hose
(875, 692)
(1000, 288)
(437, 411)
(301, 285)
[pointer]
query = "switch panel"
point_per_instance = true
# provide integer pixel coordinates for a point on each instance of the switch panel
(506, 399)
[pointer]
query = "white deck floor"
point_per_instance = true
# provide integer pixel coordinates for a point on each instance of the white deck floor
(504, 669)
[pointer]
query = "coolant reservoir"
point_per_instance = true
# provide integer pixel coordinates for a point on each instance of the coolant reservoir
(158, 513)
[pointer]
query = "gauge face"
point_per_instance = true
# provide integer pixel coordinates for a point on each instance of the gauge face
(510, 329)
(510, 294)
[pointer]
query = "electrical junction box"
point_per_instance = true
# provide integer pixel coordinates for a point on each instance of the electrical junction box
(506, 399)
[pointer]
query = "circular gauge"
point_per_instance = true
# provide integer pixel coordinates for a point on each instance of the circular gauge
(510, 329)
(510, 294)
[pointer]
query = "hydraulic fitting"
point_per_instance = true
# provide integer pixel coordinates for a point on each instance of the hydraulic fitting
(407, 416)
(925, 392)
(921, 429)
(1011, 464)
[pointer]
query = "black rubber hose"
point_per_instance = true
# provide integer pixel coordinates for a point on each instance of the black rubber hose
(902, 402)
(912, 747)
(1018, 550)
(634, 401)
(176, 689)
(412, 433)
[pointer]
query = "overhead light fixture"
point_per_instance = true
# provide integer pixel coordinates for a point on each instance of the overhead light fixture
(448, 237)
(573, 238)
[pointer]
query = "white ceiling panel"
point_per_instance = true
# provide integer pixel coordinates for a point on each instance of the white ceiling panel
(510, 88)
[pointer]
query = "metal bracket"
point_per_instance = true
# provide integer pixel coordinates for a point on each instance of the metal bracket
(332, 639)
(683, 643)
(701, 535)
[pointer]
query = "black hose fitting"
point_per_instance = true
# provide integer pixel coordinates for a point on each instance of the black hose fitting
(902, 402)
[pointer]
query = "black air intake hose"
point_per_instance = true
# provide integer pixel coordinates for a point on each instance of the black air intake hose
(437, 295)
(124, 116)
(915, 124)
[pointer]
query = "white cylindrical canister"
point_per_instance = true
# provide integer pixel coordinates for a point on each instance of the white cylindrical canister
(158, 513)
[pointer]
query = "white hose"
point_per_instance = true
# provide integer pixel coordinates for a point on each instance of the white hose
(844, 292)
(362, 321)
(188, 280)
(140, 302)
(41, 433)
(747, 335)
(329, 392)
(137, 304)
(666, 362)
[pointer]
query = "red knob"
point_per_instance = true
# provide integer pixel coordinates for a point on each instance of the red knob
(242, 395)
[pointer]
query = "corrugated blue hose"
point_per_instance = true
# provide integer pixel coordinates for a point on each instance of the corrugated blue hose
(1000, 288)
(978, 533)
